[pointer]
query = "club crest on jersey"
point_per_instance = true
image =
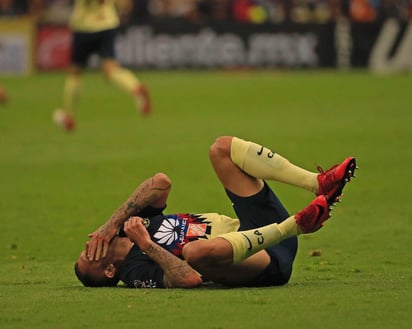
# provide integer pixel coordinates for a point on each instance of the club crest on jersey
(146, 222)
(196, 230)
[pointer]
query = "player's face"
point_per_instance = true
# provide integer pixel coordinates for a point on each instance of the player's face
(93, 268)
(117, 251)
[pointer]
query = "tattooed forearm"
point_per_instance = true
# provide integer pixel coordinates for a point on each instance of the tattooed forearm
(177, 271)
(131, 207)
(143, 196)
(146, 194)
(138, 200)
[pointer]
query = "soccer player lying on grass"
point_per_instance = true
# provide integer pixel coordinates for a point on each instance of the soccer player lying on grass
(142, 247)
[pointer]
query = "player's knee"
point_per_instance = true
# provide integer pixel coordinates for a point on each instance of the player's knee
(220, 148)
(107, 72)
(196, 253)
(109, 67)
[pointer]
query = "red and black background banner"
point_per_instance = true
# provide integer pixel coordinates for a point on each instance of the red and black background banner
(181, 45)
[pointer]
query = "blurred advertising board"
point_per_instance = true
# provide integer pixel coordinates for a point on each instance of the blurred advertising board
(16, 46)
(53, 47)
(384, 46)
(167, 45)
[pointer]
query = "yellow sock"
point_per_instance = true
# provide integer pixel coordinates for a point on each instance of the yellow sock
(247, 243)
(260, 162)
(70, 92)
(124, 79)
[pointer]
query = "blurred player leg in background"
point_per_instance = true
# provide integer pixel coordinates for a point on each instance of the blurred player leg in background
(127, 81)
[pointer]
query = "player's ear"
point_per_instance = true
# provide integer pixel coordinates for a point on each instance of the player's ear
(110, 271)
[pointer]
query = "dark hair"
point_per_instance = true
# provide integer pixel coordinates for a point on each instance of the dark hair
(89, 281)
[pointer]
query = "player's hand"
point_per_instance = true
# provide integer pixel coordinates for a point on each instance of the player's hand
(99, 243)
(136, 232)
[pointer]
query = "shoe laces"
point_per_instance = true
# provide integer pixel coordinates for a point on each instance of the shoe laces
(328, 176)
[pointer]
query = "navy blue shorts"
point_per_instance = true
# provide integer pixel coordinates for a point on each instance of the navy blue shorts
(262, 209)
(85, 44)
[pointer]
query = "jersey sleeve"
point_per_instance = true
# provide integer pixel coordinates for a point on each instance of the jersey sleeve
(139, 271)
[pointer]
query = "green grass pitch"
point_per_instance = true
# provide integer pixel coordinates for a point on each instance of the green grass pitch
(58, 187)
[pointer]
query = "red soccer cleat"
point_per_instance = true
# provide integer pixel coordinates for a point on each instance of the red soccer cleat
(314, 215)
(143, 101)
(332, 181)
(64, 120)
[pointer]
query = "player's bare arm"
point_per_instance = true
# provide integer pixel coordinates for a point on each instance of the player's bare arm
(152, 192)
(177, 272)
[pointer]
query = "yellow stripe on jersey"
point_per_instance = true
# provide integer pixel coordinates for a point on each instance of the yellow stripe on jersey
(220, 224)
(94, 15)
